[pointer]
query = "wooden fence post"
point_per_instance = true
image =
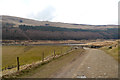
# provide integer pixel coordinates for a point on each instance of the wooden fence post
(5, 68)
(18, 65)
(61, 50)
(42, 56)
(54, 53)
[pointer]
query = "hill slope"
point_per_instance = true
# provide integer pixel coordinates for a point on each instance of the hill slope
(21, 21)
(15, 28)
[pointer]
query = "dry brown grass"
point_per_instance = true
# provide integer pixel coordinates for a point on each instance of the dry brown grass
(104, 43)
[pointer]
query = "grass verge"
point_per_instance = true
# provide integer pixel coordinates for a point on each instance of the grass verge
(114, 52)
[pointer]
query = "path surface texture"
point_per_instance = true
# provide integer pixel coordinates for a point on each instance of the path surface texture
(94, 64)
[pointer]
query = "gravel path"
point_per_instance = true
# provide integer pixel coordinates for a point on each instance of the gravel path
(94, 64)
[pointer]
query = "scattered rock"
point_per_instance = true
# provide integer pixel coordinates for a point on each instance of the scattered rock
(83, 76)
(99, 76)
(110, 47)
(104, 73)
(88, 67)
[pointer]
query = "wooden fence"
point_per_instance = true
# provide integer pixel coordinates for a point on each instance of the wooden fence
(17, 66)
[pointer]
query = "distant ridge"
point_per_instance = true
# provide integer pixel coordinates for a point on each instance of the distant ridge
(23, 21)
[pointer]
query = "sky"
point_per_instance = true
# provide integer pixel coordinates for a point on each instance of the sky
(95, 12)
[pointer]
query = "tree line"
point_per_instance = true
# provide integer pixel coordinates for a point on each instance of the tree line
(25, 32)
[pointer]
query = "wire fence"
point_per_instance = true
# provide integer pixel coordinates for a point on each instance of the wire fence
(43, 59)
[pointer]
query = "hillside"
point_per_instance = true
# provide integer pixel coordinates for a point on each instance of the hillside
(23, 21)
(15, 28)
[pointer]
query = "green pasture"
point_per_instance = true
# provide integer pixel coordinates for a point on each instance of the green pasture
(29, 54)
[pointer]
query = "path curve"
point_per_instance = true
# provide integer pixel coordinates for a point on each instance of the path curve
(94, 64)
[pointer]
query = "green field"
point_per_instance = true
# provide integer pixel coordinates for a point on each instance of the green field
(28, 54)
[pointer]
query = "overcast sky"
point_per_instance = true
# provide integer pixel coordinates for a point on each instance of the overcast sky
(100, 12)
